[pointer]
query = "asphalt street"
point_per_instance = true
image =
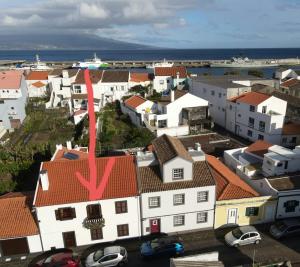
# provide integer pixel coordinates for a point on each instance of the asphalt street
(268, 251)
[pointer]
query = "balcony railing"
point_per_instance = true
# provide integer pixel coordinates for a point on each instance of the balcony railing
(93, 223)
(262, 129)
(251, 125)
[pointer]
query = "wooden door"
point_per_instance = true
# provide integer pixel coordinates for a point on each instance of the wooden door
(14, 246)
(69, 239)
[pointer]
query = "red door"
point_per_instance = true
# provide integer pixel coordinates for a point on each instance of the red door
(155, 226)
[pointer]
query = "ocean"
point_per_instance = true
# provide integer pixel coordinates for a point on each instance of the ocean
(155, 54)
(159, 54)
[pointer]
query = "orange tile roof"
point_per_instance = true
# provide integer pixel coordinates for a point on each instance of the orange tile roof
(38, 84)
(60, 154)
(171, 71)
(139, 77)
(135, 101)
(10, 79)
(37, 76)
(290, 82)
(291, 129)
(16, 219)
(251, 98)
(228, 184)
(95, 76)
(64, 187)
(79, 112)
(259, 148)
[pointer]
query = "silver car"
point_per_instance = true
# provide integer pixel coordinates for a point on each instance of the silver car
(243, 235)
(285, 228)
(110, 256)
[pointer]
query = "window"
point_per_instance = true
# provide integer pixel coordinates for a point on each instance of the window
(96, 234)
(220, 95)
(239, 115)
(262, 126)
(290, 205)
(201, 217)
(178, 220)
(178, 199)
(94, 211)
(251, 122)
(177, 174)
(168, 81)
(1, 101)
(162, 123)
(154, 202)
(284, 140)
(12, 108)
(286, 164)
(212, 92)
(294, 140)
(249, 133)
(202, 196)
(252, 108)
(64, 214)
(260, 137)
(230, 107)
(123, 230)
(279, 164)
(121, 207)
(122, 87)
(252, 211)
(204, 90)
(111, 89)
(264, 109)
(77, 89)
(161, 81)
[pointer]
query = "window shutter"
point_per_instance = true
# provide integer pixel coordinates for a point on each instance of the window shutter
(73, 212)
(57, 215)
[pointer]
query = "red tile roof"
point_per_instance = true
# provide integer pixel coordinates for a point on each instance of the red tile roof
(139, 77)
(16, 219)
(291, 129)
(251, 98)
(64, 187)
(171, 71)
(228, 184)
(259, 148)
(38, 84)
(290, 82)
(10, 79)
(37, 76)
(135, 101)
(79, 112)
(60, 154)
(95, 76)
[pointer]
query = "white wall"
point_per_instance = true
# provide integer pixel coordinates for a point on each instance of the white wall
(284, 197)
(168, 210)
(162, 83)
(51, 230)
(34, 243)
(173, 131)
(174, 164)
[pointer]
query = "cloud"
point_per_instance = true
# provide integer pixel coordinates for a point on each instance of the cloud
(93, 11)
(10, 21)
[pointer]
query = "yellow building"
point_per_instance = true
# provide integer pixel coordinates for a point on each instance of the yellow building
(236, 202)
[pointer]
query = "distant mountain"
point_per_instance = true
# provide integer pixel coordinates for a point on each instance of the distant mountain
(64, 42)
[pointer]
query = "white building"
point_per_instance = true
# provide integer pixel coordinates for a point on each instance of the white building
(256, 116)
(136, 107)
(272, 170)
(167, 78)
(19, 234)
(177, 114)
(66, 215)
(37, 83)
(13, 99)
(290, 135)
(176, 188)
(60, 82)
(114, 86)
(218, 89)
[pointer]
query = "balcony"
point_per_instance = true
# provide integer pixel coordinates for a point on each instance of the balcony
(93, 223)
(261, 129)
(251, 125)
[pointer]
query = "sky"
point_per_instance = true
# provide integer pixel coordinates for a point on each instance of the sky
(161, 23)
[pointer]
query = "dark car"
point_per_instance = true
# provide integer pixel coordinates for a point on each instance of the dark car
(164, 246)
(285, 227)
(60, 258)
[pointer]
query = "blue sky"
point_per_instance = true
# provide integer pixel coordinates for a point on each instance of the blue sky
(163, 23)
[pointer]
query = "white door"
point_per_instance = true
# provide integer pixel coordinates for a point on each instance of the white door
(231, 216)
(269, 213)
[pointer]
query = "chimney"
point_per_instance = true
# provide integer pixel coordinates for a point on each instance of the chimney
(65, 74)
(177, 77)
(197, 146)
(44, 180)
(69, 145)
(172, 95)
(59, 147)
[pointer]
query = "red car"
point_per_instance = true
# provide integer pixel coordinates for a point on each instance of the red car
(58, 259)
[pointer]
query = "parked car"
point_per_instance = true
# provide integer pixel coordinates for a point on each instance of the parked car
(61, 258)
(164, 246)
(243, 235)
(285, 228)
(109, 256)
